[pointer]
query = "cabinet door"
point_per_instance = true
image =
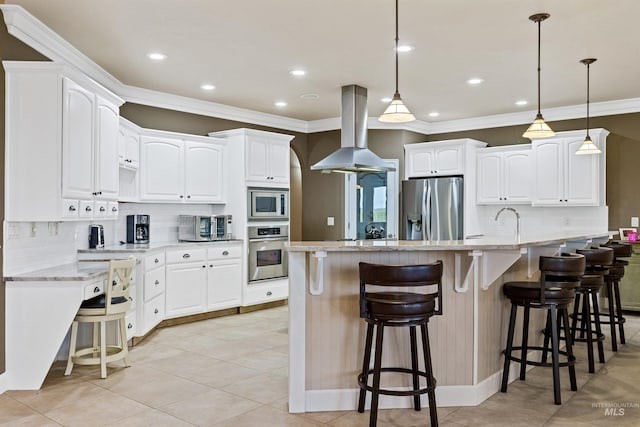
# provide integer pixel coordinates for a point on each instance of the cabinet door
(224, 279)
(489, 178)
(516, 173)
(77, 141)
(257, 158)
(204, 172)
(420, 163)
(106, 172)
(448, 160)
(185, 289)
(279, 162)
(161, 173)
(128, 148)
(582, 176)
(549, 173)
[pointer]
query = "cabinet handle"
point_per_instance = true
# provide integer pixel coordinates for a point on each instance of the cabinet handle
(210, 265)
(189, 196)
(225, 253)
(186, 256)
(114, 209)
(88, 209)
(181, 196)
(129, 326)
(155, 311)
(204, 266)
(269, 293)
(96, 290)
(157, 282)
(72, 208)
(102, 209)
(157, 260)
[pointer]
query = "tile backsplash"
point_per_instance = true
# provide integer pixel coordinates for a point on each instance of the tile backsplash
(34, 245)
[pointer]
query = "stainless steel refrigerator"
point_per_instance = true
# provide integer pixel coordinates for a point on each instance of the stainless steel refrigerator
(432, 209)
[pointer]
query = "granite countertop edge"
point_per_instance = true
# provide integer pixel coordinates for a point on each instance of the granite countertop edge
(482, 243)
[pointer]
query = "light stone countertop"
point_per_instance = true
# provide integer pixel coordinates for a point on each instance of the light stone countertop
(66, 272)
(480, 243)
(87, 269)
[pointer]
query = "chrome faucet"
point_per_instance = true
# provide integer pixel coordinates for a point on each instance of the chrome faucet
(517, 219)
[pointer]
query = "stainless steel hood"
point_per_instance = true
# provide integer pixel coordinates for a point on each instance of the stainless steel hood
(353, 155)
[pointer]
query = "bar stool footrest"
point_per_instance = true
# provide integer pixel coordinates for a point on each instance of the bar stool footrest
(570, 362)
(427, 389)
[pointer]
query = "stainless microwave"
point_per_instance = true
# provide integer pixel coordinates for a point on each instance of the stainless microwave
(204, 228)
(271, 204)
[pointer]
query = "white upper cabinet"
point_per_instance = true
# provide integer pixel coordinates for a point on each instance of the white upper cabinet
(61, 144)
(563, 178)
(204, 172)
(434, 159)
(128, 146)
(268, 159)
(161, 172)
(182, 168)
(504, 175)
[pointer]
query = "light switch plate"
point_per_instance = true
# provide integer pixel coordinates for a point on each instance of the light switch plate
(330, 220)
(634, 221)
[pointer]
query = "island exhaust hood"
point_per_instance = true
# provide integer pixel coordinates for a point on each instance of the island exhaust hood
(353, 155)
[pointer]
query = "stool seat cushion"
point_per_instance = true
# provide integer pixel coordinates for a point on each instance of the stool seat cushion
(531, 291)
(400, 304)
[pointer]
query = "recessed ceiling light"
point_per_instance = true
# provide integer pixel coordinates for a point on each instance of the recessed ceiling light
(207, 86)
(475, 81)
(280, 104)
(522, 102)
(297, 73)
(386, 100)
(310, 96)
(434, 114)
(156, 56)
(405, 48)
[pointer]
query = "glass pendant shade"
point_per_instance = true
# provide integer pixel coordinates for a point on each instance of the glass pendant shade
(538, 129)
(396, 112)
(588, 147)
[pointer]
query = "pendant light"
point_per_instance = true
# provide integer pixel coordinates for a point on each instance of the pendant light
(396, 112)
(538, 129)
(588, 147)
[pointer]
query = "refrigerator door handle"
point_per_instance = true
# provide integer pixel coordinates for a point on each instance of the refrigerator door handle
(426, 222)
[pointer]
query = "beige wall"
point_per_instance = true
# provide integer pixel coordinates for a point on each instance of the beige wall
(10, 48)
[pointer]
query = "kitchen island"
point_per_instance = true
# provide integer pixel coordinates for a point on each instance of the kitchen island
(326, 335)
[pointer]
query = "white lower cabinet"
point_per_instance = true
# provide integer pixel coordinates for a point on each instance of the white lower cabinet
(186, 274)
(153, 292)
(266, 291)
(224, 276)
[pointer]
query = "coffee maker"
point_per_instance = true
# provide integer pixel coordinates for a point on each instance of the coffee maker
(138, 228)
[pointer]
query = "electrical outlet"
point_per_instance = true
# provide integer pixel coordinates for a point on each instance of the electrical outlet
(634, 221)
(330, 221)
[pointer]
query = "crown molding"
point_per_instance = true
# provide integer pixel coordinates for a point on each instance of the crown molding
(25, 27)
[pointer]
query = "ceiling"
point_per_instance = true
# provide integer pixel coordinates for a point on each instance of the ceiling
(246, 48)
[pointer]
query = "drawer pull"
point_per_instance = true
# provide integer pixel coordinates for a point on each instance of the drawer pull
(186, 256)
(225, 253)
(204, 266)
(157, 282)
(102, 209)
(72, 208)
(269, 293)
(96, 290)
(129, 326)
(156, 260)
(155, 311)
(88, 209)
(114, 209)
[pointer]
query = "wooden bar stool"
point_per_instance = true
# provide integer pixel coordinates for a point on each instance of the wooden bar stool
(559, 277)
(396, 308)
(113, 305)
(598, 260)
(614, 315)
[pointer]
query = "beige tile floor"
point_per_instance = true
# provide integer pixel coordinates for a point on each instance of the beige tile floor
(232, 371)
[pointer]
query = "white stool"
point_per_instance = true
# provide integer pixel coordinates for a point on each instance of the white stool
(113, 305)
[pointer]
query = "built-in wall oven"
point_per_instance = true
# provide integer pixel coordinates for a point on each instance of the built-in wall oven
(267, 255)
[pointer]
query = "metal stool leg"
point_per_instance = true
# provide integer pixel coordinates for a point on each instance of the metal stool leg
(377, 365)
(525, 340)
(569, 349)
(433, 410)
(365, 366)
(414, 367)
(612, 317)
(555, 356)
(507, 352)
(619, 317)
